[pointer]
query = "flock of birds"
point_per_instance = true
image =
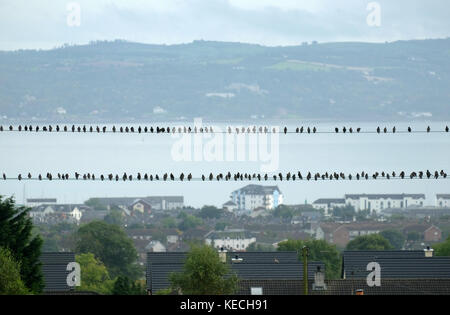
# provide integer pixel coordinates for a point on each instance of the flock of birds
(239, 176)
(237, 130)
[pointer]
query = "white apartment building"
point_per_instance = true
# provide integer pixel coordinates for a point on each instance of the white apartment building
(328, 204)
(230, 240)
(443, 200)
(384, 201)
(252, 197)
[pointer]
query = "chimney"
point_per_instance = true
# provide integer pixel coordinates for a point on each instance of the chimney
(319, 280)
(428, 251)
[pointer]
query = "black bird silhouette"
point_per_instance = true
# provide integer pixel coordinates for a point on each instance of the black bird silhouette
(358, 130)
(336, 130)
(102, 178)
(309, 130)
(40, 177)
(351, 130)
(145, 129)
(297, 130)
(314, 130)
(172, 177)
(97, 129)
(114, 128)
(146, 176)
(139, 176)
(409, 129)
(285, 130)
(1, 128)
(157, 177)
(29, 175)
(73, 128)
(344, 130)
(378, 130)
(57, 128)
(394, 129)
(189, 177)
(20, 128)
(84, 128)
(11, 128)
(301, 130)
(19, 177)
(446, 129)
(37, 128)
(165, 176)
(385, 130)
(203, 177)
(132, 129)
(104, 129)
(428, 129)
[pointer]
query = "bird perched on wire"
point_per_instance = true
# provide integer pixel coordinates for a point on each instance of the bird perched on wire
(378, 130)
(409, 129)
(446, 129)
(429, 129)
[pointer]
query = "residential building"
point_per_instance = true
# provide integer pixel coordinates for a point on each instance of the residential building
(141, 206)
(155, 202)
(251, 197)
(443, 200)
(236, 240)
(56, 272)
(327, 204)
(380, 202)
(251, 266)
(427, 232)
(34, 202)
(419, 264)
(58, 212)
(229, 206)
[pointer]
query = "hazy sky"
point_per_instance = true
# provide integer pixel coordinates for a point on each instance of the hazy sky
(43, 23)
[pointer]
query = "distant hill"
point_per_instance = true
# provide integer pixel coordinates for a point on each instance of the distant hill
(123, 81)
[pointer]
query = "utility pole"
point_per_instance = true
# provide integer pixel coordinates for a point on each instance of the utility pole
(305, 269)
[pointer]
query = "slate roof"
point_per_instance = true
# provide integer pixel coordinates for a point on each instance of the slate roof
(54, 266)
(254, 266)
(396, 265)
(349, 287)
(326, 201)
(126, 201)
(385, 196)
(443, 196)
(258, 190)
(41, 200)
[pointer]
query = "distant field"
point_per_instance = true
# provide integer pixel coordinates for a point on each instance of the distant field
(298, 66)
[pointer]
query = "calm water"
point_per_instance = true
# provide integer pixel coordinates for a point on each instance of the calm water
(132, 153)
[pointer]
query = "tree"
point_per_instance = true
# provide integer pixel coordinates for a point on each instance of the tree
(114, 217)
(442, 249)
(94, 275)
(369, 242)
(10, 280)
(110, 244)
(169, 223)
(255, 247)
(189, 222)
(16, 235)
(95, 204)
(396, 238)
(210, 212)
(284, 212)
(124, 286)
(345, 213)
(220, 226)
(204, 274)
(319, 250)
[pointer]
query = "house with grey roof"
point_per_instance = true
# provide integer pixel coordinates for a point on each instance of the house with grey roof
(155, 202)
(236, 240)
(252, 196)
(443, 200)
(327, 204)
(417, 264)
(379, 202)
(250, 266)
(56, 270)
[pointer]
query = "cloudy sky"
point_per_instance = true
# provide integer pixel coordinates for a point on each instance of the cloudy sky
(44, 23)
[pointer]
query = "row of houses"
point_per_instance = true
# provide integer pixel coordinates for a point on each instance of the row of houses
(379, 202)
(282, 273)
(142, 203)
(341, 234)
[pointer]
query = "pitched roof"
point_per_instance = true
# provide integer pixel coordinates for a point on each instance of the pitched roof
(349, 287)
(54, 267)
(254, 265)
(385, 196)
(396, 264)
(327, 201)
(126, 201)
(443, 196)
(258, 190)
